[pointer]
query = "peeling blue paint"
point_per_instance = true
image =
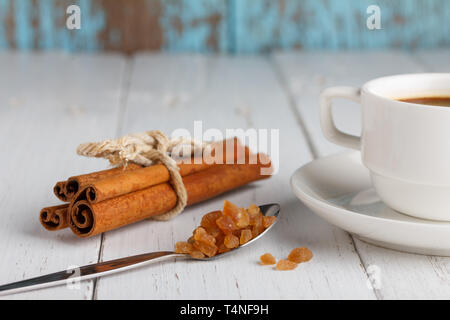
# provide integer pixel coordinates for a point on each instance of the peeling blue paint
(193, 17)
(4, 10)
(46, 39)
(24, 32)
(320, 24)
(86, 38)
(245, 26)
(92, 24)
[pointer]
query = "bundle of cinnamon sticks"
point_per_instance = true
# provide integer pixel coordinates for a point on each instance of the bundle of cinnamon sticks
(109, 199)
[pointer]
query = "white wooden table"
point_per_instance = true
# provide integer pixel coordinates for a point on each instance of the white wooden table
(51, 102)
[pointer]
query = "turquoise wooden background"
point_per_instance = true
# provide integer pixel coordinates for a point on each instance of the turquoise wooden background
(234, 26)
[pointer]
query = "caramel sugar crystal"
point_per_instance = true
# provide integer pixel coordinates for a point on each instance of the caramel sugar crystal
(197, 254)
(231, 241)
(209, 220)
(253, 210)
(205, 248)
(204, 242)
(201, 235)
(268, 221)
(231, 210)
(246, 236)
(267, 259)
(226, 224)
(299, 255)
(222, 231)
(286, 265)
(183, 247)
(222, 248)
(244, 218)
(239, 216)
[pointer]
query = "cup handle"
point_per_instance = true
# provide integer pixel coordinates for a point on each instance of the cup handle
(326, 117)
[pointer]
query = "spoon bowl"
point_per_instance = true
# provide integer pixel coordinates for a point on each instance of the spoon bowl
(272, 209)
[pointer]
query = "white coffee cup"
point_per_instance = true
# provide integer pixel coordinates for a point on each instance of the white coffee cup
(405, 146)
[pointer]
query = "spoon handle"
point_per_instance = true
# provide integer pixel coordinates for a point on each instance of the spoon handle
(72, 276)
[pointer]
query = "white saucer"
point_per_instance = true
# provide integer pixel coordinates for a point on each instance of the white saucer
(338, 188)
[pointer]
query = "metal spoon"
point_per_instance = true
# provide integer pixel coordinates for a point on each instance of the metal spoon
(75, 275)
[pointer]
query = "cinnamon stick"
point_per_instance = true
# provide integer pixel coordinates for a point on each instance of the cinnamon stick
(116, 182)
(60, 190)
(55, 217)
(88, 219)
(66, 190)
(142, 178)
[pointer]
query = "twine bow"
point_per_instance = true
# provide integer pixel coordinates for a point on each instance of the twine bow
(146, 149)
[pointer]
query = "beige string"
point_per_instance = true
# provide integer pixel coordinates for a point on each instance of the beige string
(146, 149)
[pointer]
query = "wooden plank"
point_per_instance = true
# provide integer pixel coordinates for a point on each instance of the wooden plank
(49, 104)
(403, 276)
(434, 60)
(306, 76)
(121, 25)
(170, 92)
(223, 25)
(262, 26)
